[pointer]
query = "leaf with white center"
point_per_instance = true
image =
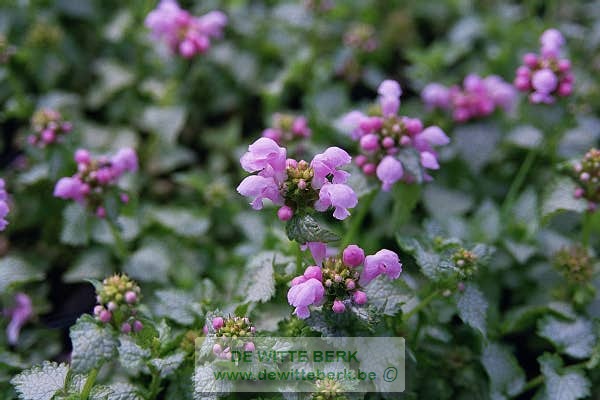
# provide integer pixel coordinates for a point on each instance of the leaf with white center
(131, 356)
(14, 270)
(574, 338)
(559, 197)
(92, 344)
(387, 295)
(568, 384)
(175, 305)
(472, 307)
(258, 283)
(166, 366)
(506, 376)
(40, 382)
(149, 263)
(166, 122)
(115, 391)
(76, 226)
(181, 221)
(205, 384)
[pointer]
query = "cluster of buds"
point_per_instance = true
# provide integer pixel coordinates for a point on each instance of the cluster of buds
(185, 34)
(49, 127)
(339, 282)
(297, 186)
(546, 75)
(466, 262)
(287, 129)
(117, 301)
(575, 264)
(383, 135)
(329, 389)
(478, 97)
(4, 209)
(95, 177)
(587, 175)
(361, 37)
(232, 333)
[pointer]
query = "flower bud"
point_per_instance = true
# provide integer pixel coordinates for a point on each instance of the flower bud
(338, 307)
(217, 323)
(359, 297)
(353, 256)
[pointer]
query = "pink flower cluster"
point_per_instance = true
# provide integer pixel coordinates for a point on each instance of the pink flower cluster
(4, 209)
(185, 34)
(117, 303)
(338, 282)
(297, 186)
(381, 137)
(48, 127)
(19, 315)
(94, 177)
(287, 128)
(546, 75)
(478, 97)
(233, 333)
(587, 176)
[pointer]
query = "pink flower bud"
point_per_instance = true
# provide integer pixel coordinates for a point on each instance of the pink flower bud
(350, 284)
(98, 310)
(302, 184)
(217, 349)
(369, 142)
(82, 156)
(218, 323)
(291, 163)
(313, 272)
(249, 346)
(124, 198)
(413, 125)
(369, 169)
(530, 59)
(126, 328)
(579, 192)
(565, 89)
(359, 297)
(48, 136)
(584, 176)
(405, 141)
(353, 256)
(100, 212)
(337, 278)
(285, 213)
(361, 160)
(137, 326)
(338, 307)
(105, 316)
(130, 297)
(112, 306)
(388, 142)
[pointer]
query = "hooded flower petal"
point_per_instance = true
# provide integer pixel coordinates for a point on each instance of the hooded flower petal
(429, 160)
(383, 262)
(258, 188)
(266, 156)
(306, 293)
(339, 196)
(19, 315)
(327, 163)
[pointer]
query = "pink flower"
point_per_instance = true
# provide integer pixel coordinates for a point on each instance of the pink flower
(436, 95)
(69, 188)
(429, 160)
(258, 188)
(125, 160)
(19, 315)
(217, 323)
(389, 97)
(318, 250)
(338, 307)
(4, 209)
(305, 294)
(327, 163)
(544, 81)
(266, 156)
(313, 272)
(339, 196)
(359, 297)
(285, 213)
(353, 256)
(389, 171)
(350, 124)
(383, 262)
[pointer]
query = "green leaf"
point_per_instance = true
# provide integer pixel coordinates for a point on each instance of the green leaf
(442, 202)
(431, 264)
(387, 296)
(92, 344)
(520, 251)
(574, 338)
(506, 376)
(132, 356)
(558, 197)
(406, 198)
(175, 305)
(40, 382)
(521, 318)
(94, 263)
(181, 221)
(166, 122)
(477, 143)
(304, 229)
(472, 308)
(569, 384)
(15, 270)
(149, 263)
(167, 365)
(258, 282)
(76, 226)
(525, 136)
(205, 384)
(116, 391)
(113, 77)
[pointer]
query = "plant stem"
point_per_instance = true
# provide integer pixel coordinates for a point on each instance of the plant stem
(516, 184)
(533, 383)
(119, 243)
(420, 306)
(298, 253)
(586, 229)
(89, 383)
(356, 222)
(154, 385)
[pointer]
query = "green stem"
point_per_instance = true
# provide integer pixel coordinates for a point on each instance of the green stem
(154, 385)
(119, 242)
(356, 222)
(586, 229)
(516, 184)
(298, 252)
(89, 383)
(420, 306)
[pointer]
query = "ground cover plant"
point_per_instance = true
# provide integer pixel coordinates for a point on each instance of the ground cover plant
(175, 174)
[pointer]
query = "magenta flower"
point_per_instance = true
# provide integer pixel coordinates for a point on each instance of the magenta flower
(266, 156)
(383, 262)
(353, 255)
(4, 208)
(435, 95)
(389, 97)
(389, 171)
(49, 127)
(70, 188)
(305, 294)
(258, 188)
(339, 196)
(327, 163)
(19, 315)
(183, 33)
(318, 250)
(125, 161)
